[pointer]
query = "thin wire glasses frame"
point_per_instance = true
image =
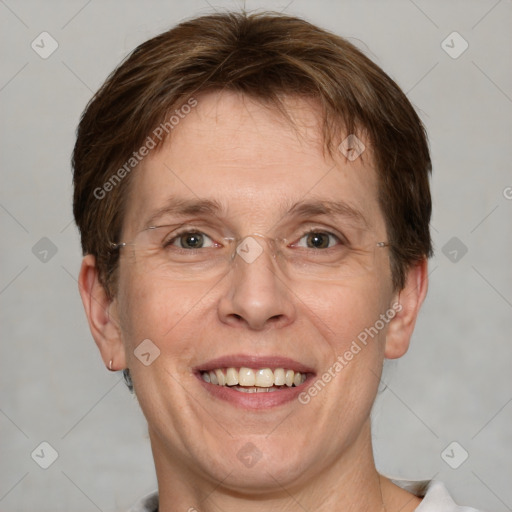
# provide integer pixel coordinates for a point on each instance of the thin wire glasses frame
(154, 248)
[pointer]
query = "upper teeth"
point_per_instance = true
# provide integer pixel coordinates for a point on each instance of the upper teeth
(263, 378)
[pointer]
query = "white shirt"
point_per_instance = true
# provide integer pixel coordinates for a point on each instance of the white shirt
(435, 498)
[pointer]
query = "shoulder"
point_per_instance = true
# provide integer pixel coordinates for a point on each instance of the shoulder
(436, 497)
(147, 504)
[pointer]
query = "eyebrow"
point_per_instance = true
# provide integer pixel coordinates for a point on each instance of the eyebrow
(327, 207)
(184, 207)
(181, 207)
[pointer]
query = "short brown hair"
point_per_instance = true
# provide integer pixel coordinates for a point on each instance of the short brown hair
(265, 55)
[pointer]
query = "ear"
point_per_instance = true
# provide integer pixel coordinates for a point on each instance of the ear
(102, 315)
(409, 301)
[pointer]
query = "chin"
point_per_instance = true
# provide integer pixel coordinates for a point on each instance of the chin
(259, 465)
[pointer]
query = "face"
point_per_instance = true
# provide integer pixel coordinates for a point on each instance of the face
(263, 315)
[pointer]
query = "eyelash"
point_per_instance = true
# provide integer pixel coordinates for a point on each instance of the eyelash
(192, 230)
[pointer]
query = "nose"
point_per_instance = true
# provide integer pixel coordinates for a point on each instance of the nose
(257, 294)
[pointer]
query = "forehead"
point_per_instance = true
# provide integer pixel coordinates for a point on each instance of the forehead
(253, 161)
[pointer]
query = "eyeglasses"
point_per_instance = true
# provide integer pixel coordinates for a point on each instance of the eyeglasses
(192, 253)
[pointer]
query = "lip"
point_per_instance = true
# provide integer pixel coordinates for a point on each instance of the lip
(254, 401)
(251, 361)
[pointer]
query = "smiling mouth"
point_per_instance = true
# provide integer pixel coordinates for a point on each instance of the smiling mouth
(250, 380)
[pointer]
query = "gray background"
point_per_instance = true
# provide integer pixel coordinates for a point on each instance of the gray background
(455, 382)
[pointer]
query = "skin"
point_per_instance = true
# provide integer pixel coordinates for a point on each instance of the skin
(316, 456)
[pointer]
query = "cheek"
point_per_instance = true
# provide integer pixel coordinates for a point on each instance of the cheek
(166, 313)
(342, 311)
(154, 308)
(356, 333)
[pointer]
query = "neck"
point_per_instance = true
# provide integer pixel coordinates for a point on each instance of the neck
(350, 484)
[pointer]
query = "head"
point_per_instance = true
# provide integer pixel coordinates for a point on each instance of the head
(241, 121)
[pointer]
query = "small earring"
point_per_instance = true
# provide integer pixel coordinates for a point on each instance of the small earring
(110, 365)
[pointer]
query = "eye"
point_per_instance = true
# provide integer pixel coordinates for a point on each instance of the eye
(188, 240)
(318, 240)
